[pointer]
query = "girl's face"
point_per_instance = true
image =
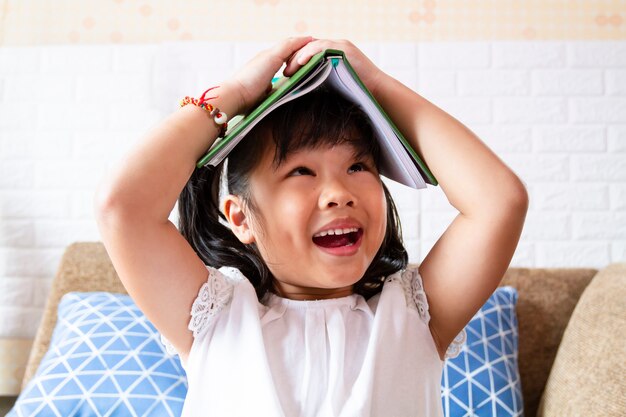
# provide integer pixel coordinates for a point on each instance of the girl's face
(320, 219)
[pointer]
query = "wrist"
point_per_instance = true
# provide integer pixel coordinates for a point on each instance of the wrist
(377, 82)
(229, 100)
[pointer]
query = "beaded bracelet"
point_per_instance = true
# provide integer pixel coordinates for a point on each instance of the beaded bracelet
(220, 118)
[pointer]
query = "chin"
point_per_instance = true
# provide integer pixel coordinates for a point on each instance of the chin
(342, 277)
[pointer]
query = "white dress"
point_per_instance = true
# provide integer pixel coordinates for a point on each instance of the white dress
(335, 357)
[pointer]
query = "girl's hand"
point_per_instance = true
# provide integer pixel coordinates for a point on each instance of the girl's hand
(254, 80)
(369, 73)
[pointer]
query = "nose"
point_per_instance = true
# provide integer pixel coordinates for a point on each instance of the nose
(336, 194)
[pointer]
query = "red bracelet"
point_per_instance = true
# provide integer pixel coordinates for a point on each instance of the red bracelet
(220, 118)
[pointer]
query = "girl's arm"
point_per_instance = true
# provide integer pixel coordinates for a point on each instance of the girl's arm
(468, 262)
(157, 266)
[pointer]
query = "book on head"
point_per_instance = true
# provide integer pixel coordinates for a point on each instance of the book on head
(399, 162)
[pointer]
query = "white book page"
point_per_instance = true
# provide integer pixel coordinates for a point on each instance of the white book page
(396, 162)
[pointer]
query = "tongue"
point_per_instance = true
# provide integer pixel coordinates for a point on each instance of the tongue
(333, 241)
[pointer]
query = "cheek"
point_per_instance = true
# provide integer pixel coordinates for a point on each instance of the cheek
(378, 204)
(286, 216)
(293, 218)
(292, 199)
(383, 217)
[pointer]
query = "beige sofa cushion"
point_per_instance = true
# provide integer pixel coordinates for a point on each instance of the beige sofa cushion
(543, 293)
(588, 375)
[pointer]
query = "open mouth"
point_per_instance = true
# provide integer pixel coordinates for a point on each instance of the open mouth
(338, 237)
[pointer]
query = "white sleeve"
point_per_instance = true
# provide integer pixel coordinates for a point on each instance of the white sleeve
(414, 287)
(212, 297)
(411, 283)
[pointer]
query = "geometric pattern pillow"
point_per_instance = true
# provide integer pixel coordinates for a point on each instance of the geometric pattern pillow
(484, 379)
(105, 359)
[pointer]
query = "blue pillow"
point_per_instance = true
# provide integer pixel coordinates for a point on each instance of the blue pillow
(105, 358)
(484, 379)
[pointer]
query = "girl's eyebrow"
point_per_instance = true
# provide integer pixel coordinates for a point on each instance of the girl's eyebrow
(277, 162)
(360, 154)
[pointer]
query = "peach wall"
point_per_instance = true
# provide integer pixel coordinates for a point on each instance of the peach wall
(35, 22)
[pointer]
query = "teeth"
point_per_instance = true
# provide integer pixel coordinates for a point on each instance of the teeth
(336, 232)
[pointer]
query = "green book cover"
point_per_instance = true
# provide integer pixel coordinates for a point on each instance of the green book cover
(330, 67)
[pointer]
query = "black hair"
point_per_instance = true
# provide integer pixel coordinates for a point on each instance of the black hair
(319, 118)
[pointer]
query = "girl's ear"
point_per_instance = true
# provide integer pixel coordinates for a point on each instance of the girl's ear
(236, 217)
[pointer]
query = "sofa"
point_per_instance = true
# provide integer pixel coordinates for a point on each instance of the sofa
(572, 321)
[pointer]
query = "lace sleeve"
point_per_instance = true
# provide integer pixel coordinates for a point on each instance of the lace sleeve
(411, 281)
(212, 297)
(169, 348)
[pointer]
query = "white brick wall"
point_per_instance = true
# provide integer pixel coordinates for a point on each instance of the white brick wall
(555, 112)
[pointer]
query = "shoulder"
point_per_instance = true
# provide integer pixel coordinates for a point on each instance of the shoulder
(214, 295)
(416, 298)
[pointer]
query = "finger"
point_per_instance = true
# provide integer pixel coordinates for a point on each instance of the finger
(310, 49)
(289, 46)
(303, 55)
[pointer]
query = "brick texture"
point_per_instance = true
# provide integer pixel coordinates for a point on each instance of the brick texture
(555, 112)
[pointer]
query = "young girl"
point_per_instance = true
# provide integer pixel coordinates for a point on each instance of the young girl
(290, 293)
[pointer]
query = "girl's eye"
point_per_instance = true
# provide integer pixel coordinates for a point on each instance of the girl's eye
(357, 167)
(301, 171)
